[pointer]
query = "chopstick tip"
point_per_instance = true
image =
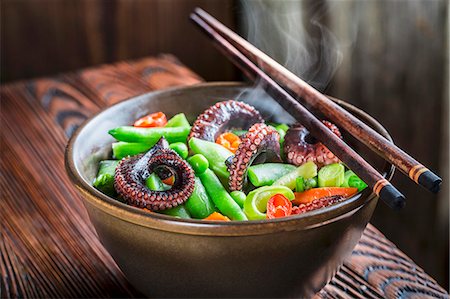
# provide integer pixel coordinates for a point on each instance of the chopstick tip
(430, 181)
(392, 197)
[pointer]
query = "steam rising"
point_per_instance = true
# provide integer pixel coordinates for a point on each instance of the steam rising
(295, 36)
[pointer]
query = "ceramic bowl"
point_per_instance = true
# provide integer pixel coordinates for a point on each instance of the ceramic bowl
(164, 256)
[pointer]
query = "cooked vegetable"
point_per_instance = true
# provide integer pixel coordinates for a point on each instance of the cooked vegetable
(221, 198)
(255, 205)
(310, 183)
(214, 153)
(299, 184)
(239, 132)
(124, 149)
(217, 216)
(157, 119)
(179, 211)
(307, 170)
(278, 206)
(180, 148)
(199, 163)
(352, 180)
(178, 120)
(267, 173)
(331, 175)
(316, 193)
(199, 204)
(229, 140)
(105, 177)
(150, 135)
(239, 197)
(154, 183)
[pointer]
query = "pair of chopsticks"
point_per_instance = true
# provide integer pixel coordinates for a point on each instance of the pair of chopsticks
(289, 90)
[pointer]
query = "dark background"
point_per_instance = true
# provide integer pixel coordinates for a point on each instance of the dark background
(394, 66)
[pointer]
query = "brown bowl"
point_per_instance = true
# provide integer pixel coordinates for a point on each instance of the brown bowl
(167, 257)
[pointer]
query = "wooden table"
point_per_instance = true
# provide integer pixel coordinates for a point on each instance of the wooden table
(48, 246)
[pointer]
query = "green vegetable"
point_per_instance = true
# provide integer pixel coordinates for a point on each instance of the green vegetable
(239, 132)
(352, 180)
(239, 197)
(180, 148)
(124, 149)
(105, 177)
(150, 135)
(154, 183)
(221, 198)
(299, 184)
(282, 129)
(331, 175)
(199, 204)
(307, 170)
(214, 153)
(198, 163)
(267, 173)
(178, 120)
(179, 212)
(310, 183)
(256, 202)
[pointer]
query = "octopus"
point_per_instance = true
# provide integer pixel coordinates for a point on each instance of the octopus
(222, 117)
(259, 145)
(316, 204)
(300, 146)
(131, 173)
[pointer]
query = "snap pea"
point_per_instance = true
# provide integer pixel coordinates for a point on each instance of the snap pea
(178, 120)
(221, 198)
(331, 175)
(307, 170)
(267, 173)
(124, 149)
(239, 197)
(180, 148)
(154, 183)
(214, 153)
(179, 211)
(199, 204)
(199, 163)
(255, 204)
(105, 177)
(150, 135)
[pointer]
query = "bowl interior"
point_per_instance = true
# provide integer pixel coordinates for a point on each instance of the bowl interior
(92, 143)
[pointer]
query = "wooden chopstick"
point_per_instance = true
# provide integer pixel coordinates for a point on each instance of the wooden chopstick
(379, 185)
(313, 99)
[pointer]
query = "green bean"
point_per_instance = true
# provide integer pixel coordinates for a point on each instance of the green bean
(239, 197)
(180, 148)
(105, 177)
(199, 204)
(179, 212)
(124, 149)
(199, 163)
(300, 184)
(221, 198)
(154, 183)
(214, 153)
(178, 120)
(267, 173)
(150, 135)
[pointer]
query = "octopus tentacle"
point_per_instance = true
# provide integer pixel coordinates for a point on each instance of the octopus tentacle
(261, 141)
(300, 147)
(222, 116)
(131, 173)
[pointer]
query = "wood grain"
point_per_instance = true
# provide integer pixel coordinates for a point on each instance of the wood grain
(48, 247)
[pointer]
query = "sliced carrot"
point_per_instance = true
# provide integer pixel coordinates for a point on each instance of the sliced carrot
(229, 141)
(315, 193)
(169, 181)
(217, 216)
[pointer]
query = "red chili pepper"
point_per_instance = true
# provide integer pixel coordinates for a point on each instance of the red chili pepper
(169, 181)
(157, 119)
(278, 206)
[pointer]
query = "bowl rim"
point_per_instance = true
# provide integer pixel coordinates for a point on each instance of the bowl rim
(131, 214)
